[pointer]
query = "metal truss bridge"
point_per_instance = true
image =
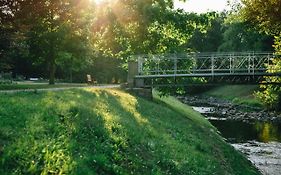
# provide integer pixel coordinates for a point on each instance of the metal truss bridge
(192, 68)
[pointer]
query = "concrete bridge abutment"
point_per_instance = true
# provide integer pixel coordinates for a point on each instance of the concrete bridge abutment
(136, 86)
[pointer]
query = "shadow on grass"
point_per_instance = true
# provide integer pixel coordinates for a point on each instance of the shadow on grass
(158, 139)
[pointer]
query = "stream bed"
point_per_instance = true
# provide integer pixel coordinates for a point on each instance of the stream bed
(254, 132)
(259, 141)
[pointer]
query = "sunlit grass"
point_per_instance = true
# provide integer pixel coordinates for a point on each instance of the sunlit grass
(182, 108)
(98, 131)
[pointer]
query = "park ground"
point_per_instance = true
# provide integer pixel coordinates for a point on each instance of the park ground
(28, 85)
(109, 131)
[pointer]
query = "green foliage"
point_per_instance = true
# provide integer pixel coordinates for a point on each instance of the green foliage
(265, 14)
(109, 132)
(267, 19)
(271, 94)
(69, 39)
(5, 42)
(246, 39)
(151, 27)
(208, 36)
(50, 30)
(6, 78)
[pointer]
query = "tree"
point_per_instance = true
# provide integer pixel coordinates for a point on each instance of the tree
(47, 25)
(266, 16)
(208, 36)
(6, 31)
(131, 27)
(62, 33)
(246, 38)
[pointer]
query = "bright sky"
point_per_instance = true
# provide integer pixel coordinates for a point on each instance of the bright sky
(201, 6)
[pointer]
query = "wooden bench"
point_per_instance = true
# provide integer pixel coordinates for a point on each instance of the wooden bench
(91, 80)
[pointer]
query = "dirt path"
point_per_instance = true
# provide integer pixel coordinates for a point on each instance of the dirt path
(58, 89)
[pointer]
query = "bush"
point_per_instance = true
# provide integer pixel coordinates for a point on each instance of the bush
(5, 78)
(271, 94)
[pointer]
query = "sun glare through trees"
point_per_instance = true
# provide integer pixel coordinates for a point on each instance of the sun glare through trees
(98, 2)
(65, 66)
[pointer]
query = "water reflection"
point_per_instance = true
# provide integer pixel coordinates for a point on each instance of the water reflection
(238, 131)
(268, 131)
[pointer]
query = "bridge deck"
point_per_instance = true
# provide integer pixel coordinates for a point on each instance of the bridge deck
(206, 75)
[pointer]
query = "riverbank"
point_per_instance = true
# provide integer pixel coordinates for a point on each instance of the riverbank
(227, 110)
(108, 131)
(237, 94)
(250, 129)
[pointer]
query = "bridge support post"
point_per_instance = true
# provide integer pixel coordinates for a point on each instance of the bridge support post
(136, 86)
(132, 72)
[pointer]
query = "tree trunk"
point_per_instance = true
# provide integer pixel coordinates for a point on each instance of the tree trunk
(52, 65)
(52, 71)
(71, 76)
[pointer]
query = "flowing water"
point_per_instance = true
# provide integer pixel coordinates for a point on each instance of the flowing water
(259, 141)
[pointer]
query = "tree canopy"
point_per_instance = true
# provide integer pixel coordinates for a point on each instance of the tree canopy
(265, 14)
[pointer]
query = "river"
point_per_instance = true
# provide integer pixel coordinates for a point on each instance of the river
(255, 133)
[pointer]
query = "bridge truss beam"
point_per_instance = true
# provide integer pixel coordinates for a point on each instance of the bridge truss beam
(210, 67)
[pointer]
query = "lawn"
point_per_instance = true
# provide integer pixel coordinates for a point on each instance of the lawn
(95, 131)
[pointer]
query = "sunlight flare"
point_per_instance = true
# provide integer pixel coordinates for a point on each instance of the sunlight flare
(97, 1)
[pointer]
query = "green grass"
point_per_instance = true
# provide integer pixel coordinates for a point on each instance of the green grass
(36, 86)
(181, 108)
(238, 94)
(109, 132)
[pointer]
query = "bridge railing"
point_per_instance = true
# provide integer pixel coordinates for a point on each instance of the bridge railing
(165, 64)
(205, 63)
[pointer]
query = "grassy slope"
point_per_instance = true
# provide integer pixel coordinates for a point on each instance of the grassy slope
(109, 132)
(239, 94)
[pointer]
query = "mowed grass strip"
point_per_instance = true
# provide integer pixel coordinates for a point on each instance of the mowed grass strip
(97, 131)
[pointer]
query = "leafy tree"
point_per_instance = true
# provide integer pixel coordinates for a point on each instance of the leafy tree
(55, 35)
(126, 28)
(271, 94)
(49, 27)
(6, 31)
(207, 37)
(133, 27)
(266, 16)
(5, 44)
(246, 38)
